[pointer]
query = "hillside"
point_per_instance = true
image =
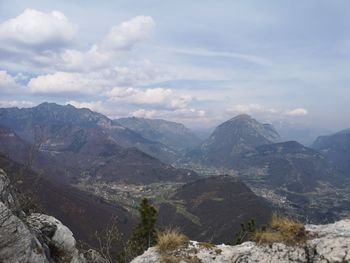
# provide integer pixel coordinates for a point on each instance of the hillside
(175, 135)
(298, 178)
(336, 147)
(87, 143)
(232, 138)
(49, 120)
(212, 209)
(83, 213)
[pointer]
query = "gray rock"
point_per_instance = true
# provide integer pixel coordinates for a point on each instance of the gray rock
(60, 235)
(92, 256)
(7, 196)
(37, 238)
(17, 243)
(328, 243)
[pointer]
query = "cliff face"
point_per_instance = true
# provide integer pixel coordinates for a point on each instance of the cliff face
(327, 243)
(35, 238)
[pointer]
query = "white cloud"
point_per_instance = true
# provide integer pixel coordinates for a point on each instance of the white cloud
(92, 105)
(142, 113)
(7, 83)
(120, 38)
(37, 42)
(297, 112)
(66, 82)
(75, 60)
(16, 103)
(128, 33)
(251, 108)
(179, 114)
(156, 97)
(39, 30)
(93, 83)
(260, 109)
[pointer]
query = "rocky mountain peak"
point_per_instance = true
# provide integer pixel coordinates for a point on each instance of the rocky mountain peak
(244, 126)
(241, 117)
(173, 134)
(235, 136)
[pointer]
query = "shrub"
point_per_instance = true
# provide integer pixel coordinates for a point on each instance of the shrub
(282, 230)
(170, 240)
(246, 233)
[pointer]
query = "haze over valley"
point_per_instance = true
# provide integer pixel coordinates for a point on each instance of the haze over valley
(153, 132)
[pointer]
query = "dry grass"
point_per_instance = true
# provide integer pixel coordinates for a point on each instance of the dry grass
(282, 230)
(194, 259)
(206, 245)
(218, 251)
(169, 259)
(174, 259)
(171, 240)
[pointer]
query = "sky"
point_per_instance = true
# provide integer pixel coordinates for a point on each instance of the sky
(195, 62)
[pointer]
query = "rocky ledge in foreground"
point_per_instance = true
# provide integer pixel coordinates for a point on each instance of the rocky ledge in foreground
(327, 243)
(35, 238)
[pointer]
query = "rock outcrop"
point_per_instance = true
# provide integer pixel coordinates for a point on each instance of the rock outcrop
(36, 238)
(327, 243)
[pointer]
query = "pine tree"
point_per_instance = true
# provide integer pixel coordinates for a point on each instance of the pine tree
(144, 234)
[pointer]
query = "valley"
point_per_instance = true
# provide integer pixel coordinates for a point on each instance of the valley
(241, 171)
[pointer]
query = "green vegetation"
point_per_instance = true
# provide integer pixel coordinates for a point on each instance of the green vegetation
(143, 235)
(247, 232)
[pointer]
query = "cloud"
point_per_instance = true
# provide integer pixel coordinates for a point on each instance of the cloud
(297, 112)
(94, 83)
(128, 33)
(16, 103)
(260, 109)
(120, 38)
(232, 55)
(142, 113)
(92, 105)
(75, 60)
(7, 83)
(156, 97)
(251, 108)
(37, 30)
(179, 114)
(37, 41)
(64, 82)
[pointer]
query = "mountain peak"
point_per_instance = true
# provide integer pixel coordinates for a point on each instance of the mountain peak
(242, 117)
(235, 136)
(173, 134)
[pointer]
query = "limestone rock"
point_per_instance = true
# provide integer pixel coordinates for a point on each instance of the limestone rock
(61, 236)
(328, 243)
(37, 238)
(17, 243)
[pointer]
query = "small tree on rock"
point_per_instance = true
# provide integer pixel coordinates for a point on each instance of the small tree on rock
(144, 234)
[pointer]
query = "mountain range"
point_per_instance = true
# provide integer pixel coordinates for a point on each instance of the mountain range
(83, 157)
(172, 134)
(81, 164)
(336, 147)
